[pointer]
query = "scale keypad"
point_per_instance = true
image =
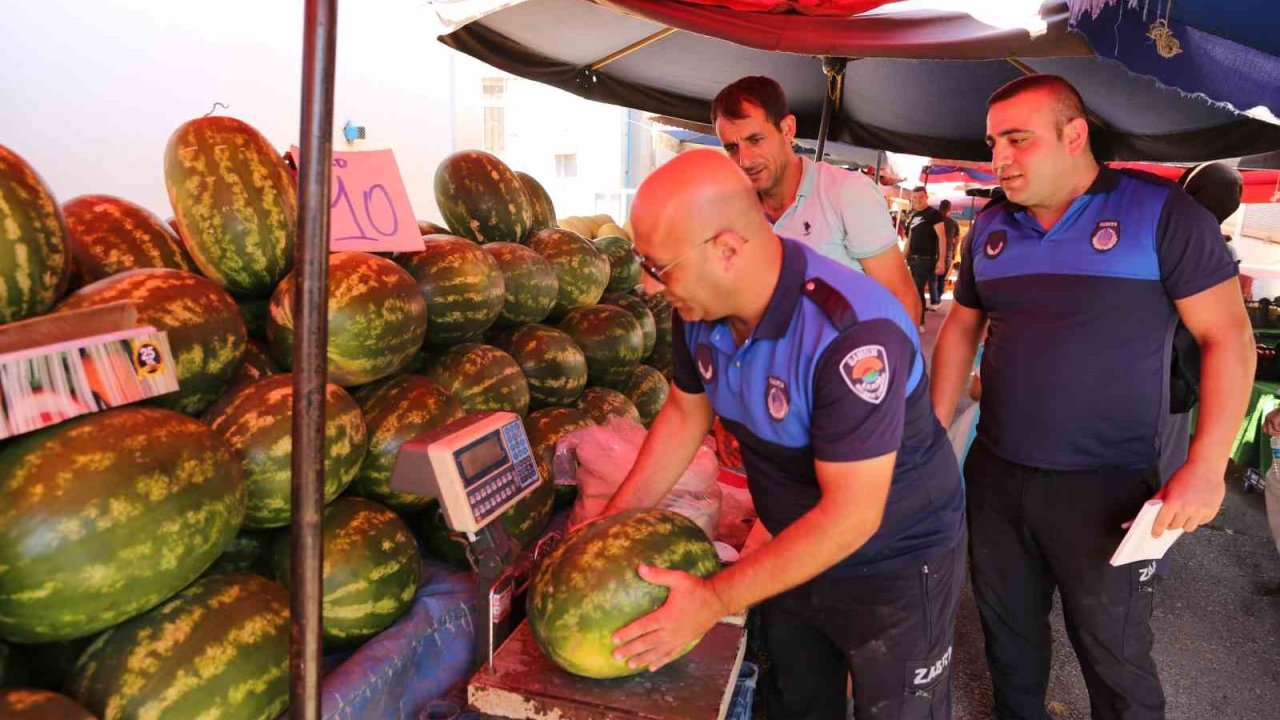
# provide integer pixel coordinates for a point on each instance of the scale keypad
(488, 496)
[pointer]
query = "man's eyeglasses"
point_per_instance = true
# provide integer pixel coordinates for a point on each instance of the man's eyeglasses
(656, 272)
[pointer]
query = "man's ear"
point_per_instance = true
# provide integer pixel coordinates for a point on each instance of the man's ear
(788, 127)
(1076, 135)
(727, 246)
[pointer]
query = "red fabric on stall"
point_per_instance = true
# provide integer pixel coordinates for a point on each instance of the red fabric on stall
(803, 7)
(1259, 185)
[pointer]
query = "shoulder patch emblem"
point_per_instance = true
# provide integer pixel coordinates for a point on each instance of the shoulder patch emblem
(706, 361)
(777, 399)
(995, 243)
(1105, 236)
(866, 372)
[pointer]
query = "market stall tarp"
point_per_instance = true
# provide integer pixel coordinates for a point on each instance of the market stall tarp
(919, 86)
(1259, 186)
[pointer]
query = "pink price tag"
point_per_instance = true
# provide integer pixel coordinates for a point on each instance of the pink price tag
(369, 207)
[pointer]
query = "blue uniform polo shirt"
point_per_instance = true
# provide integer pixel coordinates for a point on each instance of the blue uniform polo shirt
(1075, 374)
(832, 372)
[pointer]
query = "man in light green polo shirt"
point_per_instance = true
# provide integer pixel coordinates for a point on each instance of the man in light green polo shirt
(839, 213)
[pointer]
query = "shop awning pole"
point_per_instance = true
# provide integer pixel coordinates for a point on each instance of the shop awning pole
(834, 70)
(310, 310)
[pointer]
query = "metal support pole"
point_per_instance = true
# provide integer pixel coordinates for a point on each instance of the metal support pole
(637, 45)
(833, 68)
(310, 309)
(879, 164)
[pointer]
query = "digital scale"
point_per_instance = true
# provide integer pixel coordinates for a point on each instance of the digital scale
(479, 466)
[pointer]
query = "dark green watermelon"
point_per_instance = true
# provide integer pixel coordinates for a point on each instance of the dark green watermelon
(248, 552)
(639, 310)
(531, 284)
(601, 403)
(255, 312)
(624, 266)
(482, 377)
(581, 271)
(481, 198)
(463, 287)
(544, 211)
(545, 428)
(35, 261)
(661, 309)
(610, 338)
(648, 390)
(551, 361)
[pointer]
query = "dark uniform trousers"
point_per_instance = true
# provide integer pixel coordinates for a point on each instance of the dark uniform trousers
(1034, 530)
(892, 629)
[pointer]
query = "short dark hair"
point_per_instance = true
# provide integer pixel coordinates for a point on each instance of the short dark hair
(763, 92)
(920, 188)
(944, 206)
(1067, 103)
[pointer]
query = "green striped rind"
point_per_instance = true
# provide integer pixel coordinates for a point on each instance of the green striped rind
(257, 420)
(660, 360)
(377, 319)
(482, 377)
(544, 211)
(35, 263)
(397, 410)
(107, 235)
(581, 270)
(371, 570)
(205, 329)
(257, 365)
(248, 552)
(661, 309)
(551, 361)
(531, 284)
(462, 285)
(40, 705)
(525, 521)
(624, 266)
(218, 649)
(255, 312)
(545, 427)
(106, 515)
(640, 311)
(234, 201)
(602, 403)
(647, 389)
(481, 198)
(611, 340)
(587, 588)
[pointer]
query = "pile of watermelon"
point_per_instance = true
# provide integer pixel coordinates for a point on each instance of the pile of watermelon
(159, 529)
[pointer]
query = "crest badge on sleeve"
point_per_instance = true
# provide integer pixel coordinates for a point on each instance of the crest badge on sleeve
(1105, 236)
(777, 399)
(866, 372)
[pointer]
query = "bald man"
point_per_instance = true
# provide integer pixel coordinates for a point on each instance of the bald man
(817, 370)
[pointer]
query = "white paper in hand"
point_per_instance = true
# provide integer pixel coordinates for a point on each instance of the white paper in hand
(1138, 543)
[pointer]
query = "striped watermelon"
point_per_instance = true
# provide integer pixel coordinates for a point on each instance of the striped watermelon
(371, 570)
(661, 309)
(257, 364)
(660, 360)
(640, 311)
(531, 284)
(525, 521)
(648, 390)
(544, 211)
(581, 270)
(257, 420)
(551, 361)
(602, 403)
(248, 552)
(206, 331)
(234, 201)
(462, 285)
(481, 198)
(106, 515)
(587, 588)
(35, 263)
(610, 338)
(107, 235)
(377, 319)
(40, 705)
(624, 266)
(396, 410)
(482, 377)
(545, 427)
(218, 649)
(255, 312)
(429, 228)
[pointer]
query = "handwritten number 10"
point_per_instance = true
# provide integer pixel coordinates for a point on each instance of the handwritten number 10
(367, 197)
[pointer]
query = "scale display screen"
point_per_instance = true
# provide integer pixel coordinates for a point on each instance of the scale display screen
(476, 460)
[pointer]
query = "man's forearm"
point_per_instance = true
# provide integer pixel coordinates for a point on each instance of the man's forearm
(1226, 376)
(952, 358)
(672, 441)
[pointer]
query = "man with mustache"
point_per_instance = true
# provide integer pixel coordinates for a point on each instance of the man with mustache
(1081, 275)
(839, 213)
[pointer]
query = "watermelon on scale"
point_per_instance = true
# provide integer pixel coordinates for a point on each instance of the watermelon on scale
(397, 410)
(482, 377)
(544, 211)
(551, 361)
(257, 420)
(218, 649)
(481, 198)
(21, 704)
(582, 271)
(234, 202)
(105, 515)
(108, 235)
(35, 262)
(610, 338)
(530, 282)
(371, 570)
(206, 331)
(377, 319)
(462, 286)
(587, 588)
